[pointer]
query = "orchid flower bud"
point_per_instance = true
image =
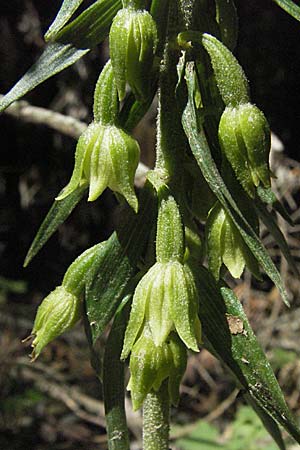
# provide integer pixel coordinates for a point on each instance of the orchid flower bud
(106, 156)
(133, 40)
(62, 308)
(150, 365)
(166, 297)
(244, 136)
(59, 312)
(225, 245)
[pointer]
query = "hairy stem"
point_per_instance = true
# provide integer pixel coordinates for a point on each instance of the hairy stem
(156, 420)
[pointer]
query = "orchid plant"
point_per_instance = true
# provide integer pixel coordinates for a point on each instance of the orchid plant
(160, 276)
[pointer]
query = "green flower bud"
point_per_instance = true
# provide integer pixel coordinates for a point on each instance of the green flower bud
(59, 312)
(132, 41)
(166, 299)
(225, 245)
(106, 156)
(244, 137)
(150, 365)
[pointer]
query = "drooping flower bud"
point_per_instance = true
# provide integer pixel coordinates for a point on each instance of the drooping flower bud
(62, 308)
(106, 156)
(132, 41)
(150, 365)
(166, 297)
(225, 245)
(59, 312)
(244, 136)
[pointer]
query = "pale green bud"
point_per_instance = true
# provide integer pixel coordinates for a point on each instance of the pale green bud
(106, 156)
(150, 365)
(132, 41)
(166, 299)
(244, 137)
(59, 312)
(226, 246)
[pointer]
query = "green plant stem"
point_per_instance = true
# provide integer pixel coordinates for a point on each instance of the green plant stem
(156, 420)
(113, 384)
(170, 137)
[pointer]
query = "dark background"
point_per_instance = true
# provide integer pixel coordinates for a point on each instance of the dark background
(36, 163)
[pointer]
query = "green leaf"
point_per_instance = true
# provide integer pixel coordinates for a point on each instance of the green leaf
(113, 381)
(267, 196)
(55, 58)
(202, 154)
(57, 214)
(290, 7)
(271, 224)
(267, 421)
(114, 269)
(72, 42)
(228, 335)
(92, 26)
(66, 11)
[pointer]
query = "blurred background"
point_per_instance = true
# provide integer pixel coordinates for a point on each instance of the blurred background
(56, 403)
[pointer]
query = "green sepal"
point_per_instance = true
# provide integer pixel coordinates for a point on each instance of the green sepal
(143, 369)
(106, 104)
(58, 312)
(213, 229)
(233, 146)
(255, 132)
(230, 77)
(232, 249)
(178, 361)
(58, 213)
(133, 40)
(226, 15)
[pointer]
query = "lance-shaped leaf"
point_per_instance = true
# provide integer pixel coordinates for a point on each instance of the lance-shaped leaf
(270, 222)
(290, 7)
(65, 13)
(228, 334)
(202, 154)
(58, 213)
(72, 42)
(114, 269)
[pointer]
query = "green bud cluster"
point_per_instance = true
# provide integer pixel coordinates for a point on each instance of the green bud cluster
(226, 246)
(165, 302)
(133, 41)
